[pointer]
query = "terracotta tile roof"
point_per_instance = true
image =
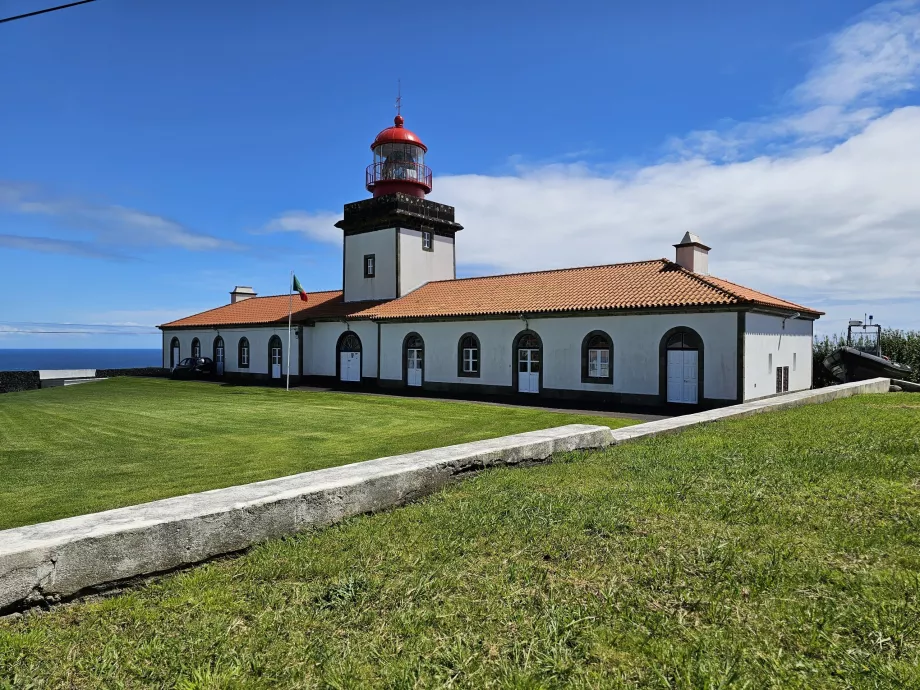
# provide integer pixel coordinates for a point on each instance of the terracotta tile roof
(641, 285)
(274, 309)
(762, 298)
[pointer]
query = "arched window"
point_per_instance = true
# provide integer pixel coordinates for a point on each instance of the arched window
(274, 357)
(597, 358)
(528, 356)
(219, 356)
(348, 357)
(196, 348)
(173, 353)
(243, 354)
(468, 355)
(680, 366)
(413, 359)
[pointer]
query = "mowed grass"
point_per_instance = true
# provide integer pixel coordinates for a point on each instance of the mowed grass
(78, 449)
(779, 551)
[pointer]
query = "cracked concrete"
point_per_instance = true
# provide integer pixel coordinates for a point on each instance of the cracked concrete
(52, 561)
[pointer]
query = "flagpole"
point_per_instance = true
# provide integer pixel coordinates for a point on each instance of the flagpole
(290, 311)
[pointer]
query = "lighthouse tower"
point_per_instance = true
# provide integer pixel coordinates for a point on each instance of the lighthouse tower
(397, 240)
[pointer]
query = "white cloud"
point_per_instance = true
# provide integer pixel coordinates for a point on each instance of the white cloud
(317, 226)
(819, 203)
(110, 225)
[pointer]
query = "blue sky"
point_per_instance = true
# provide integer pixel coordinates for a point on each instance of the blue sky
(156, 153)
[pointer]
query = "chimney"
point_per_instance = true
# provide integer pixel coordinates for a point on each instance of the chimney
(241, 292)
(692, 254)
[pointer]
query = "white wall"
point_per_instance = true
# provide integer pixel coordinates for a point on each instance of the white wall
(790, 346)
(258, 347)
(635, 357)
(417, 266)
(382, 244)
(320, 347)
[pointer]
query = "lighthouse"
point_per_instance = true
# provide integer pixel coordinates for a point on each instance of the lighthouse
(397, 240)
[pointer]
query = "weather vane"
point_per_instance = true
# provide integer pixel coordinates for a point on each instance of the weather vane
(398, 96)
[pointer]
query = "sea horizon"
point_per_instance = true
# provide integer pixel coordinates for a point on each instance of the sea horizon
(30, 359)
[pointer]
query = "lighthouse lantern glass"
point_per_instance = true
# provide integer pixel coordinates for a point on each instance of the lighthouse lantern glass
(399, 162)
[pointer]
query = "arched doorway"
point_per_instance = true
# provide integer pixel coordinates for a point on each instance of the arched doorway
(274, 357)
(349, 357)
(414, 359)
(173, 353)
(219, 356)
(681, 366)
(528, 351)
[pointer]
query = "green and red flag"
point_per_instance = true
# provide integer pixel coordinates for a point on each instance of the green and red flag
(299, 288)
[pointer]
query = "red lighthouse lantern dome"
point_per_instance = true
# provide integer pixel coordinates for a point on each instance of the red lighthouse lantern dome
(399, 163)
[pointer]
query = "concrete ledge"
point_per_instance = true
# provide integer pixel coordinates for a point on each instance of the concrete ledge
(54, 560)
(782, 402)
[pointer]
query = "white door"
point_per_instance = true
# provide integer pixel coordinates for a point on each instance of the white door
(528, 371)
(219, 359)
(175, 357)
(276, 362)
(414, 367)
(682, 376)
(690, 376)
(350, 366)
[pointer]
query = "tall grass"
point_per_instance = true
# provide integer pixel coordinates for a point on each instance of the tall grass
(899, 346)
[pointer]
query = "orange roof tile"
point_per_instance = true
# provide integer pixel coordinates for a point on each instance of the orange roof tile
(658, 284)
(274, 309)
(640, 285)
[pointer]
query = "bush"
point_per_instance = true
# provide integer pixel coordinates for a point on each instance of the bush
(899, 346)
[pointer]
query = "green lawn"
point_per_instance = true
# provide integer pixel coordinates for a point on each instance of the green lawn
(777, 551)
(79, 449)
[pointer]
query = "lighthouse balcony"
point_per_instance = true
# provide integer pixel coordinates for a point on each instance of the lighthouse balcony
(389, 174)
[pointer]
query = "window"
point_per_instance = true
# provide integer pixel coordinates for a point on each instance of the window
(196, 348)
(426, 241)
(243, 354)
(173, 353)
(795, 358)
(468, 356)
(369, 265)
(597, 358)
(769, 363)
(782, 379)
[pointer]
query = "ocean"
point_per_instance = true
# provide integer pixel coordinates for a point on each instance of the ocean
(25, 360)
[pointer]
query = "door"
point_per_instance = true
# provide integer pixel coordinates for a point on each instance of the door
(350, 366)
(414, 367)
(528, 371)
(175, 356)
(276, 362)
(219, 359)
(683, 373)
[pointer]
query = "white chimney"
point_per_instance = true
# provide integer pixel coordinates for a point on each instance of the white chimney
(241, 292)
(692, 254)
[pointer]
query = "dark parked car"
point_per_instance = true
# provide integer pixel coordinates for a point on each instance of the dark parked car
(194, 368)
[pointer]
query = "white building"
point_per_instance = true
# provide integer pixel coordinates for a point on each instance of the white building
(654, 333)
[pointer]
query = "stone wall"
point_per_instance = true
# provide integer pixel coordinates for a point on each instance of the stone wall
(14, 381)
(139, 371)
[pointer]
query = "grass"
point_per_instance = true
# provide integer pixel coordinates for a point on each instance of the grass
(779, 551)
(79, 449)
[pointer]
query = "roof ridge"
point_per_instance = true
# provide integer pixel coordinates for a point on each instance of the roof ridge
(547, 270)
(702, 279)
(765, 294)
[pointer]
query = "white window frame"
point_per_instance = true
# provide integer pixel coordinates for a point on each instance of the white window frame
(244, 355)
(470, 360)
(427, 241)
(598, 368)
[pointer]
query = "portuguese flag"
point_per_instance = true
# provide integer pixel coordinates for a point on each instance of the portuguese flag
(297, 287)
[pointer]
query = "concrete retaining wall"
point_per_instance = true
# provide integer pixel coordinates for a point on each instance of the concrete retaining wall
(55, 560)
